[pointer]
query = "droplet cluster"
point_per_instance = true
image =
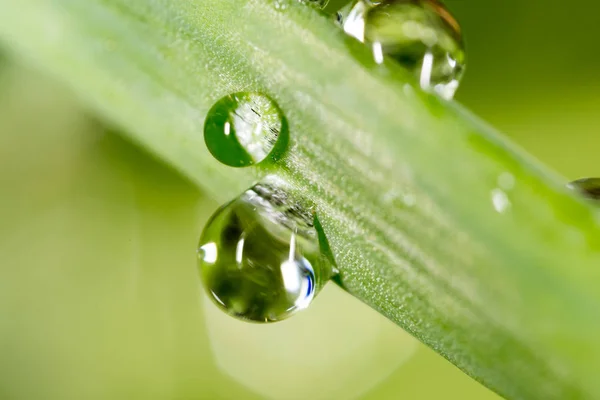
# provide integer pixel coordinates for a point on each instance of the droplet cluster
(260, 256)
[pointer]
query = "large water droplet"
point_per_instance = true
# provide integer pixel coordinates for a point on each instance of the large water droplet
(589, 187)
(245, 128)
(260, 256)
(421, 35)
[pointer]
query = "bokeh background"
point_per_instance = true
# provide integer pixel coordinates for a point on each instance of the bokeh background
(99, 296)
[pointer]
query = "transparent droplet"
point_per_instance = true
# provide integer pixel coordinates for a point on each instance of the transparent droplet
(500, 200)
(260, 256)
(589, 187)
(421, 35)
(245, 128)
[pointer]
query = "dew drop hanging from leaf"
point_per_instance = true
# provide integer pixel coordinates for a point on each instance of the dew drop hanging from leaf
(245, 128)
(261, 258)
(421, 35)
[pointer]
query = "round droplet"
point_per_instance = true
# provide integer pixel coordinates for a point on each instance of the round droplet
(589, 187)
(245, 128)
(260, 256)
(421, 35)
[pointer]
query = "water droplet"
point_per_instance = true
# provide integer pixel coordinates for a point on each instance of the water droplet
(506, 181)
(589, 187)
(260, 256)
(500, 200)
(245, 128)
(421, 35)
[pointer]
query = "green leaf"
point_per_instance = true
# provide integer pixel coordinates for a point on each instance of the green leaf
(434, 219)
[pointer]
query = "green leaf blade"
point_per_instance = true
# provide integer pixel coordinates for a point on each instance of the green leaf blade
(503, 282)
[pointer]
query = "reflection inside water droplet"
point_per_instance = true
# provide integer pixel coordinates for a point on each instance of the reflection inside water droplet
(245, 128)
(261, 257)
(421, 35)
(589, 187)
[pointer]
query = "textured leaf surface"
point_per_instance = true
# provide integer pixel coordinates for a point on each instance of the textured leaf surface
(435, 221)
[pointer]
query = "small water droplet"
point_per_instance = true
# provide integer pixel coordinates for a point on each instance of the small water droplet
(421, 35)
(245, 128)
(589, 187)
(260, 256)
(506, 181)
(500, 200)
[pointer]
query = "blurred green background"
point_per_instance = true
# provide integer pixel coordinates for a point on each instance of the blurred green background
(99, 294)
